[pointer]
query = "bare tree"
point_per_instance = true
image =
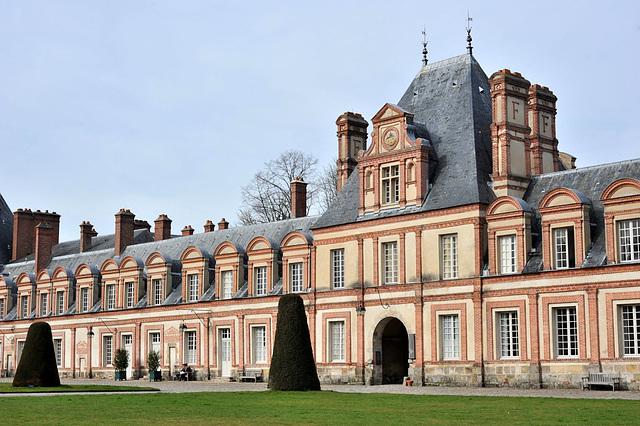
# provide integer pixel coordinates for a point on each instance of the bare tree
(327, 185)
(267, 197)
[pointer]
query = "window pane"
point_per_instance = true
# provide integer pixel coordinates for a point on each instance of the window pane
(449, 256)
(566, 332)
(509, 343)
(260, 279)
(629, 240)
(337, 265)
(297, 282)
(450, 337)
(227, 284)
(259, 344)
(508, 254)
(390, 262)
(193, 288)
(336, 352)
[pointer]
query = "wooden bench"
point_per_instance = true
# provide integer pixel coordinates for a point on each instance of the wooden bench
(605, 379)
(254, 374)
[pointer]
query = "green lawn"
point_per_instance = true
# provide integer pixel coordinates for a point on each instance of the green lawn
(265, 408)
(6, 387)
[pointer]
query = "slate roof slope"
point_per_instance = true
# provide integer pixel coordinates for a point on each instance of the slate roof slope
(450, 100)
(172, 248)
(591, 182)
(6, 232)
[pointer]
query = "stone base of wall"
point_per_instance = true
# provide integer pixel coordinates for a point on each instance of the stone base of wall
(563, 375)
(629, 373)
(453, 375)
(339, 375)
(512, 375)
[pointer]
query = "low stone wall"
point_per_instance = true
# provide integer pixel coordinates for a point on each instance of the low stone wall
(453, 375)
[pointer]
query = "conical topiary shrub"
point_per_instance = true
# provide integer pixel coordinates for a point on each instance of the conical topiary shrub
(292, 365)
(37, 365)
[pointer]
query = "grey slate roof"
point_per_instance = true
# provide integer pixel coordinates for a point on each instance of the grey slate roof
(6, 231)
(588, 183)
(451, 104)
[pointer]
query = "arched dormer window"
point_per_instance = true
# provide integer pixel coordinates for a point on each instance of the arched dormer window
(8, 294)
(296, 261)
(63, 294)
(196, 279)
(88, 280)
(161, 270)
(111, 292)
(566, 231)
(509, 228)
(621, 201)
(230, 273)
(44, 288)
(262, 267)
(26, 283)
(132, 281)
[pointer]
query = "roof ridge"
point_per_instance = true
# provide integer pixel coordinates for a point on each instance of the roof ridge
(585, 169)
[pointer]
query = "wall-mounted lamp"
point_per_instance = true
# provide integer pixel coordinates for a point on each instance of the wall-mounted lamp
(360, 309)
(183, 327)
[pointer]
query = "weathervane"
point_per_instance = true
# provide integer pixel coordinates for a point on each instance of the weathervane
(424, 46)
(469, 19)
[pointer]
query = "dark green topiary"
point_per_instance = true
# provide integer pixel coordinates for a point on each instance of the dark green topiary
(37, 365)
(292, 365)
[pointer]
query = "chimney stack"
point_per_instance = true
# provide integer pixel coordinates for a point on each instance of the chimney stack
(187, 230)
(44, 244)
(223, 224)
(162, 228)
(352, 138)
(124, 230)
(141, 224)
(298, 198)
(209, 226)
(24, 230)
(86, 234)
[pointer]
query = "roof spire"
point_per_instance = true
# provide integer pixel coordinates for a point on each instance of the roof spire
(424, 46)
(469, 19)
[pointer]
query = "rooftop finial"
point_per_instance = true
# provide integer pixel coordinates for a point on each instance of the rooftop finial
(424, 46)
(469, 19)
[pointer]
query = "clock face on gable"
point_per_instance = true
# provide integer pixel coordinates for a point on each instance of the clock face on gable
(390, 139)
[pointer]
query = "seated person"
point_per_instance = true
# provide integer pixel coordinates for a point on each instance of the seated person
(185, 372)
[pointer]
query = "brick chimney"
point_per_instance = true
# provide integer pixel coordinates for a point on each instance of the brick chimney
(86, 234)
(124, 230)
(162, 228)
(141, 224)
(44, 244)
(187, 230)
(223, 224)
(209, 226)
(24, 230)
(298, 198)
(352, 137)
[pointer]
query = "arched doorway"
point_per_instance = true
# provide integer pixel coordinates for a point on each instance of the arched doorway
(391, 352)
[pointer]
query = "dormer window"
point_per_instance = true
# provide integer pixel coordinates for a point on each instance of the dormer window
(390, 184)
(629, 234)
(564, 248)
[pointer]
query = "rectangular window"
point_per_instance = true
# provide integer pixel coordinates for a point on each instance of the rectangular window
(566, 332)
(60, 302)
(192, 354)
(337, 348)
(259, 340)
(337, 268)
(450, 326)
(390, 262)
(107, 351)
(260, 280)
(629, 240)
(509, 339)
(508, 262)
(227, 284)
(295, 275)
(194, 287)
(631, 330)
(129, 292)
(111, 296)
(390, 185)
(84, 296)
(154, 341)
(1, 308)
(157, 292)
(57, 348)
(20, 349)
(449, 245)
(564, 251)
(44, 299)
(25, 306)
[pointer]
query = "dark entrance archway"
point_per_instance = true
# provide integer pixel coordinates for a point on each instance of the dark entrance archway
(391, 345)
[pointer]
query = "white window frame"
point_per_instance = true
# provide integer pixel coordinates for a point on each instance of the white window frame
(296, 277)
(155, 342)
(630, 330)
(2, 308)
(84, 297)
(449, 256)
(260, 280)
(130, 293)
(227, 284)
(563, 247)
(60, 302)
(565, 320)
(337, 345)
(24, 302)
(508, 254)
(508, 334)
(390, 184)
(450, 336)
(390, 262)
(111, 296)
(259, 344)
(57, 349)
(194, 287)
(107, 350)
(191, 347)
(157, 291)
(629, 240)
(337, 268)
(44, 301)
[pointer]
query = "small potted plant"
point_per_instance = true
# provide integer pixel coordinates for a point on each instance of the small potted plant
(153, 363)
(121, 362)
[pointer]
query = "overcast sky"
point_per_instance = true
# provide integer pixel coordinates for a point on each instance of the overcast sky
(171, 106)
